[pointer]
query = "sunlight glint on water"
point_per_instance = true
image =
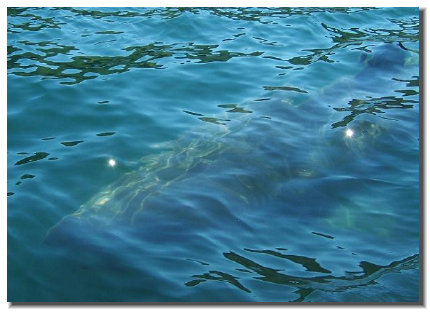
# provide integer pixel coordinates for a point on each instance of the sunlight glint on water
(213, 154)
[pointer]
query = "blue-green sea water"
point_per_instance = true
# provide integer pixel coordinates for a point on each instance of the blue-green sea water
(213, 154)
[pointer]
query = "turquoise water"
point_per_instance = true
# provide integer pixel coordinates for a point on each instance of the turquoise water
(246, 154)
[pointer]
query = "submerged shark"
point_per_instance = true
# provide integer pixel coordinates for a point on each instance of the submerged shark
(282, 162)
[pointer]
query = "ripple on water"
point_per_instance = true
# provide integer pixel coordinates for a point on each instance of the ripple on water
(207, 154)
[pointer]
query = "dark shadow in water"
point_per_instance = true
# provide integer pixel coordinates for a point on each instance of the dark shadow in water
(86, 67)
(306, 285)
(27, 176)
(284, 88)
(261, 15)
(310, 264)
(71, 143)
(343, 38)
(234, 108)
(372, 106)
(217, 276)
(105, 134)
(165, 13)
(36, 22)
(213, 120)
(148, 56)
(265, 15)
(36, 157)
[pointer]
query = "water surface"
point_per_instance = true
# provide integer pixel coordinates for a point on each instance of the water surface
(213, 154)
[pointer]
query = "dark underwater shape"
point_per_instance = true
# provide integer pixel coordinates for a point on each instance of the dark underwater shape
(221, 189)
(196, 156)
(223, 169)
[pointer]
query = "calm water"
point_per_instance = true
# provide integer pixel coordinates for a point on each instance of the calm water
(260, 154)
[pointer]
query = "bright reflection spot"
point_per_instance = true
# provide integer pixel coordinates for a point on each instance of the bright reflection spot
(112, 162)
(349, 133)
